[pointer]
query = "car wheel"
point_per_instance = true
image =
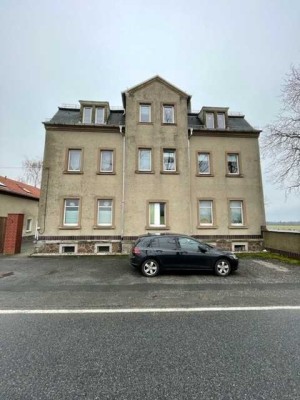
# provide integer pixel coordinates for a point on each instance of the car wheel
(222, 267)
(150, 268)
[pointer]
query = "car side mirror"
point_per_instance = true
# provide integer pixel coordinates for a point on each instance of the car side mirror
(202, 249)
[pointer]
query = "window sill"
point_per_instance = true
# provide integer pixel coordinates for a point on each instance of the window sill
(144, 172)
(145, 123)
(170, 172)
(207, 227)
(105, 173)
(73, 172)
(234, 176)
(157, 228)
(204, 175)
(169, 123)
(238, 227)
(69, 227)
(104, 227)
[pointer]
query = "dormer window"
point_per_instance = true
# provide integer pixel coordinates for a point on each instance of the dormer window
(221, 120)
(87, 115)
(210, 120)
(99, 117)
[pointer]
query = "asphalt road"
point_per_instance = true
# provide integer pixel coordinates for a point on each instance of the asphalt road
(226, 355)
(209, 355)
(110, 282)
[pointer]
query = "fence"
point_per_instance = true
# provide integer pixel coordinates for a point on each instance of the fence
(283, 242)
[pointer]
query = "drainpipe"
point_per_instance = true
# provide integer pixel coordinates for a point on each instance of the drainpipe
(123, 182)
(190, 184)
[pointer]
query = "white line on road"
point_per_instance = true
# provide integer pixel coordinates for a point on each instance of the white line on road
(148, 310)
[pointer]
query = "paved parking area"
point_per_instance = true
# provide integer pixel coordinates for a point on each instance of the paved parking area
(110, 281)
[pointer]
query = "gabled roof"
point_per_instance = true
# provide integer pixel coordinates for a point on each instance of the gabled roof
(16, 188)
(155, 78)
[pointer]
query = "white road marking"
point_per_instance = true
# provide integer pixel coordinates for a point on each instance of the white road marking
(272, 266)
(148, 310)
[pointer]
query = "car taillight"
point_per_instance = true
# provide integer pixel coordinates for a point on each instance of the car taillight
(136, 251)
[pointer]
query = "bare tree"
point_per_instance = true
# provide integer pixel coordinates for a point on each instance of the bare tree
(281, 141)
(32, 172)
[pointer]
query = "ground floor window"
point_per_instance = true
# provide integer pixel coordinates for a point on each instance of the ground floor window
(157, 214)
(29, 225)
(206, 212)
(105, 212)
(236, 212)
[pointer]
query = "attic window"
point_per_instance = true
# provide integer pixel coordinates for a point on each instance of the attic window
(210, 120)
(221, 120)
(87, 115)
(99, 118)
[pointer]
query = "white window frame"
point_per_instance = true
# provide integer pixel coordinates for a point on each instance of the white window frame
(233, 244)
(99, 212)
(148, 106)
(103, 115)
(63, 245)
(166, 106)
(157, 206)
(28, 225)
(98, 245)
(221, 114)
(208, 156)
(165, 151)
(112, 161)
(211, 212)
(84, 115)
(237, 163)
(69, 160)
(78, 211)
(241, 208)
(139, 159)
(213, 120)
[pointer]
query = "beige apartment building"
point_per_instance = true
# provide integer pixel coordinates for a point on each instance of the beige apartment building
(152, 167)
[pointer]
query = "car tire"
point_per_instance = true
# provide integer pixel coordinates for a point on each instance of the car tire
(222, 267)
(150, 268)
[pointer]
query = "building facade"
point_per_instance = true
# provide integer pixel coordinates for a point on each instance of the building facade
(153, 167)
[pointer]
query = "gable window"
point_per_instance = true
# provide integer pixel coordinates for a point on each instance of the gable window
(87, 115)
(157, 214)
(99, 116)
(145, 113)
(106, 161)
(210, 120)
(168, 114)
(144, 161)
(169, 160)
(104, 217)
(206, 212)
(74, 160)
(236, 212)
(221, 120)
(29, 225)
(203, 163)
(71, 212)
(233, 164)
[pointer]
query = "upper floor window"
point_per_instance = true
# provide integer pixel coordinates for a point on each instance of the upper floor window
(157, 214)
(87, 115)
(29, 225)
(233, 164)
(203, 163)
(168, 114)
(144, 160)
(99, 116)
(106, 161)
(74, 160)
(71, 212)
(236, 212)
(210, 120)
(169, 160)
(221, 120)
(145, 113)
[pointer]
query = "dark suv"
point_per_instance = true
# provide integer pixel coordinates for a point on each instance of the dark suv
(154, 253)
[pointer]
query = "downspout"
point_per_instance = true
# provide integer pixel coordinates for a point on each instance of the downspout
(123, 182)
(190, 184)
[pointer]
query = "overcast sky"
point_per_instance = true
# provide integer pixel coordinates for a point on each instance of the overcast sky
(223, 52)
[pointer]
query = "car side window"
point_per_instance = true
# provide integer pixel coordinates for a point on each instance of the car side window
(187, 244)
(167, 243)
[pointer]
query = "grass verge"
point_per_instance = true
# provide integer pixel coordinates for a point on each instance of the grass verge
(265, 255)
